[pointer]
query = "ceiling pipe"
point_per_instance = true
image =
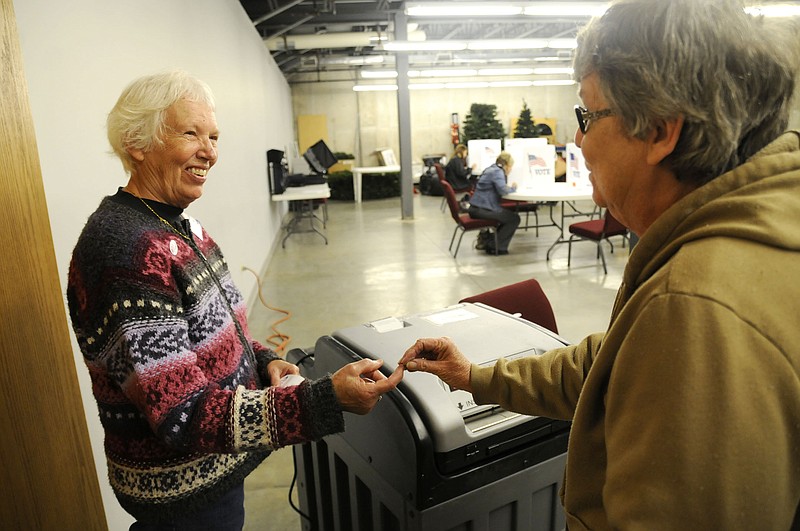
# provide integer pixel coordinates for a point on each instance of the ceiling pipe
(353, 39)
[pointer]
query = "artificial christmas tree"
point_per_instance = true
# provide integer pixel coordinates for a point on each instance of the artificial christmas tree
(482, 123)
(525, 127)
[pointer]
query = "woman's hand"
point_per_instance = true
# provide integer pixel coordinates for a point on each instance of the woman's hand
(439, 356)
(359, 385)
(277, 369)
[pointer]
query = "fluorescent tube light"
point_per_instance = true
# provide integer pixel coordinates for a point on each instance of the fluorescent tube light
(501, 84)
(566, 9)
(559, 70)
(424, 46)
(774, 10)
(354, 61)
(488, 44)
(391, 74)
(471, 84)
(507, 44)
(453, 9)
(378, 74)
(506, 71)
(562, 43)
(443, 73)
(552, 82)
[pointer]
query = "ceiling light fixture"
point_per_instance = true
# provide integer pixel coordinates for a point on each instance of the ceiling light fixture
(553, 82)
(451, 9)
(467, 85)
(443, 73)
(507, 44)
(424, 46)
(774, 10)
(354, 61)
(483, 45)
(566, 9)
(378, 74)
(554, 70)
(563, 43)
(502, 84)
(504, 9)
(555, 9)
(506, 71)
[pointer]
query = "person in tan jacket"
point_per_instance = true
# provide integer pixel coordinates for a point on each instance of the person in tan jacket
(686, 411)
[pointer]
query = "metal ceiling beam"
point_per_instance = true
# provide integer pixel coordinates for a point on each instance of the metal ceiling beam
(278, 11)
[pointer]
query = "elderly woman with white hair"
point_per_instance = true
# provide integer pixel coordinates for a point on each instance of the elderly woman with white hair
(189, 402)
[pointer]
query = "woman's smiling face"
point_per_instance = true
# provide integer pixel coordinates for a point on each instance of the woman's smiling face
(174, 171)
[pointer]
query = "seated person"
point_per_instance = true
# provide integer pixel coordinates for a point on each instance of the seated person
(485, 201)
(457, 173)
(561, 168)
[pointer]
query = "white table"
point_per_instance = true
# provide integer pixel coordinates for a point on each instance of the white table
(360, 171)
(565, 193)
(301, 199)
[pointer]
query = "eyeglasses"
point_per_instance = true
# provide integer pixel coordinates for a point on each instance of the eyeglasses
(585, 117)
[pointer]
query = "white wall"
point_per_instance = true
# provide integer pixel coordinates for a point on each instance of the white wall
(79, 55)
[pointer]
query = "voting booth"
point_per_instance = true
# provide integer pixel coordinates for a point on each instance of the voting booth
(483, 153)
(534, 162)
(577, 172)
(428, 457)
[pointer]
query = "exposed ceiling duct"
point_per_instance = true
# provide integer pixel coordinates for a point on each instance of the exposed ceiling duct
(353, 39)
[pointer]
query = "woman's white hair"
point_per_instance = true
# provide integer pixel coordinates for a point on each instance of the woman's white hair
(137, 119)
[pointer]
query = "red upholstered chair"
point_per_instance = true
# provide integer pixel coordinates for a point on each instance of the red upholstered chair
(597, 230)
(464, 222)
(525, 298)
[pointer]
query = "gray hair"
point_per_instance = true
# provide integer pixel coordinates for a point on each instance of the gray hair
(729, 74)
(504, 159)
(137, 119)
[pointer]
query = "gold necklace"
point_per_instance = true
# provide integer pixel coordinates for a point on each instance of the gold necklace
(167, 223)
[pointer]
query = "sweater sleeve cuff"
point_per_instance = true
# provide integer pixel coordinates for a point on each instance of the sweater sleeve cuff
(278, 417)
(326, 413)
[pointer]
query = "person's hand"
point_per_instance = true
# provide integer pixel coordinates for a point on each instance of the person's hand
(277, 369)
(359, 385)
(439, 356)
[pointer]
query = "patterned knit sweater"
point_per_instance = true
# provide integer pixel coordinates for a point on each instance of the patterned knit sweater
(179, 382)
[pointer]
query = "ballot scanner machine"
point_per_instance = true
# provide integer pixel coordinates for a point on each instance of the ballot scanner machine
(427, 456)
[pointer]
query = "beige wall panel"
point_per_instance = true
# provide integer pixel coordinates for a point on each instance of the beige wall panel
(362, 122)
(311, 128)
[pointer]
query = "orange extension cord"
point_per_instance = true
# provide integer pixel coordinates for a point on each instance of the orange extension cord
(278, 340)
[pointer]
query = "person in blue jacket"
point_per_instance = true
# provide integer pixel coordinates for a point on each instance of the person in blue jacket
(485, 203)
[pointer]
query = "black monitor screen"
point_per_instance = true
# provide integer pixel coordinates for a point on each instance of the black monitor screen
(319, 157)
(277, 171)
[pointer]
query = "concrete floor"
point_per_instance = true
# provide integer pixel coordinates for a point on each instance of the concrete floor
(378, 265)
